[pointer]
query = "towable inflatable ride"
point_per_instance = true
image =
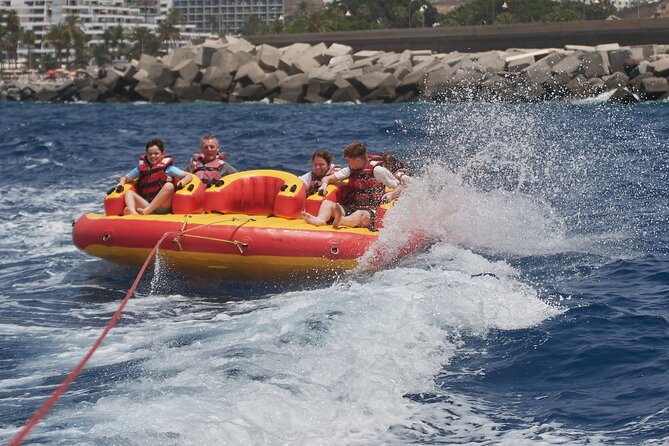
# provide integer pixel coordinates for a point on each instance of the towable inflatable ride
(245, 227)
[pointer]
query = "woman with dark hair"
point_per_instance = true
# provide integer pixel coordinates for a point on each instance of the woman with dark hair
(154, 182)
(322, 165)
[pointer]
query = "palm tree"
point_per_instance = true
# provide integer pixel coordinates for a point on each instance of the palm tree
(168, 33)
(143, 41)
(28, 38)
(57, 39)
(74, 36)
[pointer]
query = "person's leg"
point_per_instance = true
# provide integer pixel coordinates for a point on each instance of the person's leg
(357, 218)
(325, 212)
(162, 200)
(132, 202)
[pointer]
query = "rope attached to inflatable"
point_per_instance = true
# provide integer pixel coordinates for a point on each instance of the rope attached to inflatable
(53, 399)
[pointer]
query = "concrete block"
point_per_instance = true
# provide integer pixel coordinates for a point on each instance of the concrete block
(623, 96)
(366, 54)
(203, 55)
(304, 64)
(216, 78)
(594, 65)
(571, 65)
(653, 87)
(186, 91)
(160, 74)
(252, 92)
(517, 64)
(660, 67)
(345, 92)
(268, 57)
(617, 59)
(292, 52)
(179, 55)
(317, 52)
(211, 95)
(239, 45)
(187, 70)
(606, 47)
(615, 80)
(490, 62)
(249, 73)
(338, 50)
(145, 61)
(341, 61)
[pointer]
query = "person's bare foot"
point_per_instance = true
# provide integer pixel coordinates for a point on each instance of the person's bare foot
(128, 211)
(311, 219)
(338, 214)
(143, 211)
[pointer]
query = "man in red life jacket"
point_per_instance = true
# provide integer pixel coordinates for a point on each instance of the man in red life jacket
(367, 180)
(210, 165)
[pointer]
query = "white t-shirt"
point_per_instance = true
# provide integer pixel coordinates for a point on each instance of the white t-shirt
(380, 173)
(306, 178)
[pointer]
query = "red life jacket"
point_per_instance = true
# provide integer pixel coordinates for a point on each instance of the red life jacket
(315, 182)
(366, 191)
(208, 171)
(152, 177)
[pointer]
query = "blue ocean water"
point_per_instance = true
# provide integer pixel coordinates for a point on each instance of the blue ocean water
(538, 316)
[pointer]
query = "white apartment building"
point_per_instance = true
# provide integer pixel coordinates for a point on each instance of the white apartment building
(226, 16)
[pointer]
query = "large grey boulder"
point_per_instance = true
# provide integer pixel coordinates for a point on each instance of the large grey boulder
(187, 70)
(152, 92)
(304, 64)
(239, 45)
(186, 91)
(654, 87)
(344, 92)
(178, 55)
(518, 62)
(216, 78)
(292, 88)
(490, 62)
(617, 59)
(337, 50)
(569, 66)
(594, 65)
(367, 83)
(249, 73)
(660, 67)
(268, 57)
(623, 96)
(160, 74)
(615, 80)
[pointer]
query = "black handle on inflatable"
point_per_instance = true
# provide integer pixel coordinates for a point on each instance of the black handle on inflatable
(118, 189)
(191, 187)
(180, 186)
(293, 188)
(284, 187)
(321, 192)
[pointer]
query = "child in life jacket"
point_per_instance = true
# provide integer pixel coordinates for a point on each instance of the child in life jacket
(322, 165)
(154, 185)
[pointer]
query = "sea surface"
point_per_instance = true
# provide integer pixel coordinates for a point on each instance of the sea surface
(538, 315)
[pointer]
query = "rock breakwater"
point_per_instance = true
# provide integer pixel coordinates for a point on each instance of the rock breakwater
(232, 69)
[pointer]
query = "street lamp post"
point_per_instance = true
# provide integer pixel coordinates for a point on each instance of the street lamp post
(346, 14)
(422, 13)
(410, 2)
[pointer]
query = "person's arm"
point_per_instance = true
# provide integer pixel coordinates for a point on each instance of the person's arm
(228, 169)
(134, 173)
(184, 177)
(387, 178)
(306, 178)
(337, 176)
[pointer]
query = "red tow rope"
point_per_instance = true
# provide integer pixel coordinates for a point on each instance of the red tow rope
(53, 399)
